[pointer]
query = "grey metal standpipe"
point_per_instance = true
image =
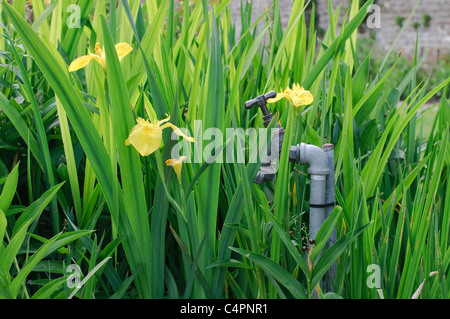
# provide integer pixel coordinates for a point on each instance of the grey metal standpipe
(330, 197)
(318, 168)
(330, 193)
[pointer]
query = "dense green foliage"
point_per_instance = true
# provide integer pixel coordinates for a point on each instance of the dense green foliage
(72, 192)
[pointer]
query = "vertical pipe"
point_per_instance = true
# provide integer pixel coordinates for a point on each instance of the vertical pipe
(318, 162)
(330, 197)
(330, 191)
(317, 214)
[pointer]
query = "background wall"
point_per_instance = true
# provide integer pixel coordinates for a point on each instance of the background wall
(434, 38)
(259, 7)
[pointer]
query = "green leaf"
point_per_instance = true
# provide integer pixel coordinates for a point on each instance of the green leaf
(205, 166)
(251, 52)
(325, 232)
(3, 224)
(330, 256)
(9, 189)
(21, 127)
(124, 287)
(44, 15)
(47, 291)
(276, 271)
(36, 208)
(29, 265)
(313, 136)
(281, 200)
(4, 293)
(289, 245)
(212, 112)
(231, 263)
(66, 238)
(337, 44)
(46, 249)
(10, 253)
(21, 227)
(41, 136)
(360, 79)
(374, 168)
(70, 159)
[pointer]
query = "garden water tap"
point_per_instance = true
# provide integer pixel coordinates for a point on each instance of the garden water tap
(317, 159)
(320, 162)
(268, 166)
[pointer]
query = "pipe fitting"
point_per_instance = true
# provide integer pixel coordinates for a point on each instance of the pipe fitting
(311, 155)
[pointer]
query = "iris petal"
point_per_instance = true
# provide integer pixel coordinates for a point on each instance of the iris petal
(80, 63)
(278, 97)
(145, 138)
(305, 98)
(164, 121)
(123, 49)
(177, 131)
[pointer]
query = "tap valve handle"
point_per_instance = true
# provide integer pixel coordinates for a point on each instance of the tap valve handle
(261, 102)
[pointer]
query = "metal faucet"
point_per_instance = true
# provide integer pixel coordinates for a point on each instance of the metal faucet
(268, 169)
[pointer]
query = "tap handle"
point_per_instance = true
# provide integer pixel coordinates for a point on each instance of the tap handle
(261, 102)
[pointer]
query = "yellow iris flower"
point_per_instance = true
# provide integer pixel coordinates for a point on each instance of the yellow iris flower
(298, 96)
(146, 137)
(177, 164)
(122, 49)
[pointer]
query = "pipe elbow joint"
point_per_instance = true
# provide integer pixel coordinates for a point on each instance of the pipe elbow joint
(310, 155)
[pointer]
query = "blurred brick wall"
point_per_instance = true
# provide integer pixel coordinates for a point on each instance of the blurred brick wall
(433, 40)
(259, 7)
